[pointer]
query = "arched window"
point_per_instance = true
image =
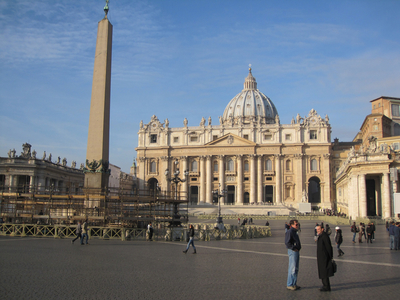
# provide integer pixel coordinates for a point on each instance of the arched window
(268, 165)
(153, 167)
(230, 165)
(288, 165)
(194, 166)
(246, 166)
(314, 165)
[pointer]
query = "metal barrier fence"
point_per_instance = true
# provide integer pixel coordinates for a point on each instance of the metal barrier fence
(203, 232)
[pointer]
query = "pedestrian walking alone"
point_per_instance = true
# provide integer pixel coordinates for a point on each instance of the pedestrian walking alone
(338, 240)
(85, 233)
(191, 240)
(293, 245)
(150, 231)
(369, 233)
(78, 232)
(324, 259)
(354, 231)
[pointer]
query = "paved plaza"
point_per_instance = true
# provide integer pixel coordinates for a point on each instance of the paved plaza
(48, 268)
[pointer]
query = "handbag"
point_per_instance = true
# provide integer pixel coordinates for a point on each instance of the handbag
(334, 266)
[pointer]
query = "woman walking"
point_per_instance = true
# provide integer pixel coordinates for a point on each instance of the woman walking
(191, 240)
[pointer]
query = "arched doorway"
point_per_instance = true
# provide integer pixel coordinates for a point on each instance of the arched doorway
(314, 190)
(152, 185)
(246, 198)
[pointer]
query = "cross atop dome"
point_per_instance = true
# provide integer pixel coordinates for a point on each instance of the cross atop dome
(250, 82)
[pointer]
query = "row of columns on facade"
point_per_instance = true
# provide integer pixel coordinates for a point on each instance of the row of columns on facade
(255, 176)
(35, 181)
(358, 190)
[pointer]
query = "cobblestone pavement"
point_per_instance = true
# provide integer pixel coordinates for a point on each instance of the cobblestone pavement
(47, 268)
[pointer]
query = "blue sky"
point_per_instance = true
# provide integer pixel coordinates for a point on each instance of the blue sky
(177, 59)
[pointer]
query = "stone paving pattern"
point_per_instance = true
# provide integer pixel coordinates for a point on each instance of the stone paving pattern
(48, 268)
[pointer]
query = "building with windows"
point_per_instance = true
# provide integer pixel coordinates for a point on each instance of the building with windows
(249, 153)
(366, 177)
(27, 173)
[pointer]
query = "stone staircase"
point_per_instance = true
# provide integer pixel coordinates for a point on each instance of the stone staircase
(208, 209)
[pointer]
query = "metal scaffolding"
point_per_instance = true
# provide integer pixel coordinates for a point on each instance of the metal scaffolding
(123, 208)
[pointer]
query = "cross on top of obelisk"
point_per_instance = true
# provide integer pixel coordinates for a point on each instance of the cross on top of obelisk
(106, 8)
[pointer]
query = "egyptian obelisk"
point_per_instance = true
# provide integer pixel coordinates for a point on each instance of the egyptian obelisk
(97, 153)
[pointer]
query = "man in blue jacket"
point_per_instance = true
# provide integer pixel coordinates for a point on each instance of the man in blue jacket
(292, 242)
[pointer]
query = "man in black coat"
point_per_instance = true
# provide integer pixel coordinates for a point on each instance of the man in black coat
(324, 258)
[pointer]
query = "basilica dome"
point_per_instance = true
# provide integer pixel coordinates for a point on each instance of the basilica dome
(250, 104)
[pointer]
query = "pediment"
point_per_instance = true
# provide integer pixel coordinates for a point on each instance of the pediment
(231, 140)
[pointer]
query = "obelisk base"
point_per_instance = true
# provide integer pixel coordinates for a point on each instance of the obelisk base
(96, 183)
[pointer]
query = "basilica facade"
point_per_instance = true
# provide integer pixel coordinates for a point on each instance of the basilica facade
(249, 154)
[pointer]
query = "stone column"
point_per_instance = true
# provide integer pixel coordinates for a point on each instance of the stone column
(300, 186)
(239, 180)
(11, 183)
(185, 183)
(253, 179)
(142, 172)
(41, 184)
(278, 181)
(325, 171)
(362, 196)
(353, 196)
(387, 210)
(165, 184)
(221, 171)
(260, 179)
(202, 179)
(209, 179)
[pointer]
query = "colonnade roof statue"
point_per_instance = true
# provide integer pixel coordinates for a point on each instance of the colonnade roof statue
(250, 104)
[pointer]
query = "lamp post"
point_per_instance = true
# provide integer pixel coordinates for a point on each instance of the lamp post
(175, 179)
(219, 194)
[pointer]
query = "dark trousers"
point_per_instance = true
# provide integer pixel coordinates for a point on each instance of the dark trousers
(77, 237)
(326, 284)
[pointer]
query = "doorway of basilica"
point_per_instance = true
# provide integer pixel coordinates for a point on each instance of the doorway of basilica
(246, 198)
(269, 194)
(314, 190)
(194, 195)
(230, 199)
(152, 185)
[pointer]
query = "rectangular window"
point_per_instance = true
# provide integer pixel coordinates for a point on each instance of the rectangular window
(215, 137)
(193, 138)
(313, 134)
(376, 127)
(176, 139)
(246, 136)
(153, 138)
(288, 137)
(267, 137)
(396, 146)
(395, 110)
